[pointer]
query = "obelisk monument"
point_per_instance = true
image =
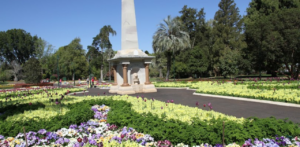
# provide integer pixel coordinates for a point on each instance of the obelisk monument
(131, 65)
(129, 31)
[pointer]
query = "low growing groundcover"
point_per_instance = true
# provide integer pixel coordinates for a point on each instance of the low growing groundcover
(124, 112)
(288, 91)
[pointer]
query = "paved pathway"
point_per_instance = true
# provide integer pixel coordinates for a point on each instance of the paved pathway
(227, 106)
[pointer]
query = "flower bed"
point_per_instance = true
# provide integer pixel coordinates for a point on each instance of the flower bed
(283, 94)
(162, 120)
(96, 132)
(7, 86)
(28, 85)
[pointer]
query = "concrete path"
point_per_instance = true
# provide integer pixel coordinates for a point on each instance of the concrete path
(232, 107)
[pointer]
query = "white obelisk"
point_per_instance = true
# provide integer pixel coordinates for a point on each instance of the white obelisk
(129, 31)
(131, 65)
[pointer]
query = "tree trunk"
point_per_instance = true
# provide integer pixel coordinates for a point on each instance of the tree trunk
(16, 78)
(274, 74)
(160, 73)
(168, 66)
(109, 72)
(101, 73)
(215, 72)
(73, 78)
(296, 76)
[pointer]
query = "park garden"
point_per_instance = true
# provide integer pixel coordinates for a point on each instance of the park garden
(45, 98)
(70, 117)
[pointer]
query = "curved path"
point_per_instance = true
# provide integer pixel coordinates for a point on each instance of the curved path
(227, 106)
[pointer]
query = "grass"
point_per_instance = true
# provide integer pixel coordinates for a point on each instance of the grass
(3, 83)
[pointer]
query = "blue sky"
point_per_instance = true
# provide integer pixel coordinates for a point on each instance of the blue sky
(60, 21)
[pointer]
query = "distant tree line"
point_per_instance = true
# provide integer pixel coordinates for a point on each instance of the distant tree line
(31, 58)
(266, 40)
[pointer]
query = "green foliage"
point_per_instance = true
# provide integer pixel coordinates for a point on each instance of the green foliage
(200, 131)
(67, 63)
(229, 62)
(102, 40)
(227, 31)
(32, 71)
(4, 75)
(176, 131)
(17, 44)
(79, 112)
(170, 38)
(272, 35)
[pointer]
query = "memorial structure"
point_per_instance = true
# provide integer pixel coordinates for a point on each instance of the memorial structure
(130, 64)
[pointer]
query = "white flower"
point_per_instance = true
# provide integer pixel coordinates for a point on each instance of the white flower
(72, 132)
(62, 132)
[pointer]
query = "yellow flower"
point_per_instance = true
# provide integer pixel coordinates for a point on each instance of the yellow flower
(17, 141)
(10, 139)
(139, 135)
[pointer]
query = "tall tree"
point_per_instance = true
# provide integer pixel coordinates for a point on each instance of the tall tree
(43, 51)
(102, 40)
(67, 64)
(96, 59)
(270, 36)
(15, 69)
(197, 57)
(169, 38)
(32, 70)
(228, 35)
(159, 63)
(288, 27)
(17, 45)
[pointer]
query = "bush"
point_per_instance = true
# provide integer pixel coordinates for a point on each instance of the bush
(200, 131)
(32, 71)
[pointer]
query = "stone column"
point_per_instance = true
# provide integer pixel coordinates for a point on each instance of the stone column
(125, 81)
(115, 75)
(147, 74)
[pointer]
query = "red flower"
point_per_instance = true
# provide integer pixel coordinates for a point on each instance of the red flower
(204, 105)
(30, 103)
(145, 100)
(79, 139)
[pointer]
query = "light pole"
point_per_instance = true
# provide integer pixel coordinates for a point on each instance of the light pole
(102, 66)
(109, 54)
(73, 73)
(90, 71)
(174, 66)
(57, 71)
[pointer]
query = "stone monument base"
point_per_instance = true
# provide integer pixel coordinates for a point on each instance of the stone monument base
(125, 90)
(136, 88)
(149, 88)
(113, 89)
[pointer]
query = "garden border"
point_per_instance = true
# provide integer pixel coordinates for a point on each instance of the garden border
(77, 93)
(237, 98)
(249, 100)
